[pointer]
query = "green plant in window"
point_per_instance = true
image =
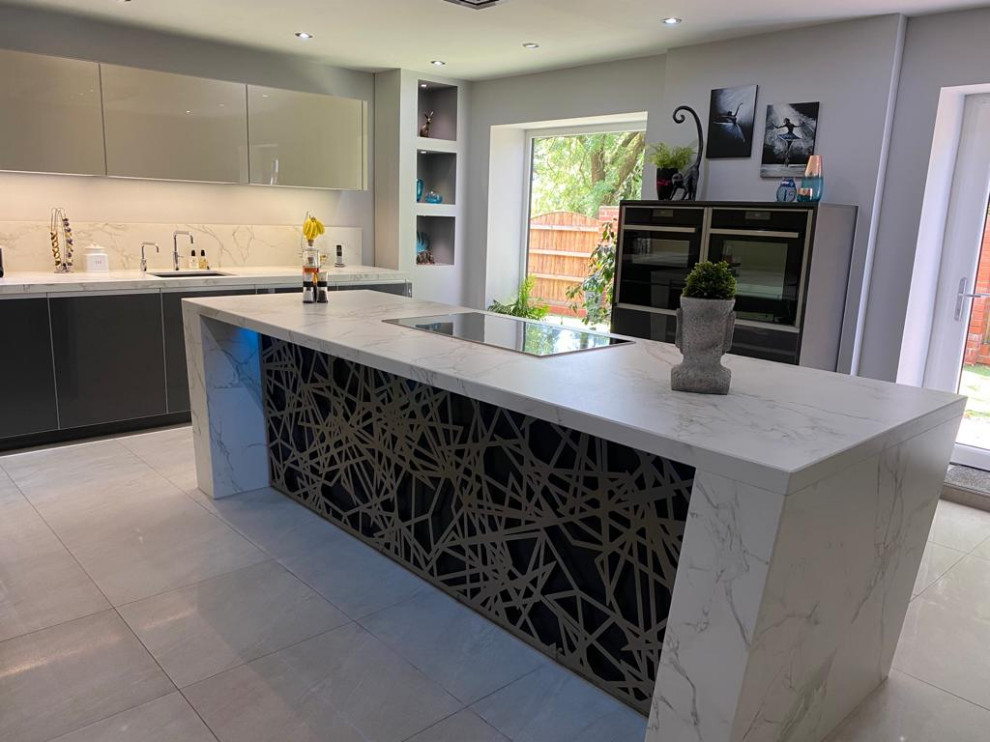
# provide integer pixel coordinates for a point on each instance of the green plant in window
(710, 280)
(522, 305)
(595, 291)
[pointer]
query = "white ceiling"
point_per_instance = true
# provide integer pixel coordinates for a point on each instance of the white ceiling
(478, 44)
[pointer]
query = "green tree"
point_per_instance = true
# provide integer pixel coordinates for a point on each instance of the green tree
(582, 172)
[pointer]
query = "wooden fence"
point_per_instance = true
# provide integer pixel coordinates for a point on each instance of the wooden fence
(560, 247)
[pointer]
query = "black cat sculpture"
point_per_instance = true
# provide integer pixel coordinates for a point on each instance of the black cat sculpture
(688, 179)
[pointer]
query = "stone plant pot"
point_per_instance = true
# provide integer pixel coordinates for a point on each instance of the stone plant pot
(704, 335)
(665, 183)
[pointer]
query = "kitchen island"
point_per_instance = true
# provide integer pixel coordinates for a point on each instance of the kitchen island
(738, 567)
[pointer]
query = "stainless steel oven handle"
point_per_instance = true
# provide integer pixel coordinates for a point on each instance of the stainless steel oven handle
(651, 228)
(756, 233)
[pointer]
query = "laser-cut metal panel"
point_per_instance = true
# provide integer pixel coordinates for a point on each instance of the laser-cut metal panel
(568, 540)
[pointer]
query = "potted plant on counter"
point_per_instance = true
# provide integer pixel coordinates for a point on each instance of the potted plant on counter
(705, 323)
(669, 161)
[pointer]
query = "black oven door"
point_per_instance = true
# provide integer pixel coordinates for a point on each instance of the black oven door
(770, 270)
(654, 262)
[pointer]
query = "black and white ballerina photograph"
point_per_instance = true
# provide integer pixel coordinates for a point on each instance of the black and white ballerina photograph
(789, 139)
(730, 122)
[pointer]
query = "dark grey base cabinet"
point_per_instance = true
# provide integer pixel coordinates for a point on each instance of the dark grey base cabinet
(27, 377)
(81, 365)
(109, 359)
(176, 381)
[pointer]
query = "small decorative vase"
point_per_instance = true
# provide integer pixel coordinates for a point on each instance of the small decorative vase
(813, 183)
(665, 183)
(704, 335)
(434, 198)
(420, 186)
(787, 191)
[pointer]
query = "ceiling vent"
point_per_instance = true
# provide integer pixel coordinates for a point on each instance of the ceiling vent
(476, 4)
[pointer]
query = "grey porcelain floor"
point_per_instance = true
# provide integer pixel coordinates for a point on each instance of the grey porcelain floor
(133, 609)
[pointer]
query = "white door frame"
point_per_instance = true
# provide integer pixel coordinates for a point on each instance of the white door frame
(965, 223)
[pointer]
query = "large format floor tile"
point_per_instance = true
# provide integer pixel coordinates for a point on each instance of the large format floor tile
(946, 635)
(166, 719)
(907, 710)
(40, 583)
(959, 527)
(168, 543)
(168, 452)
(59, 679)
(554, 705)
(937, 560)
(449, 642)
(350, 574)
(217, 624)
(464, 726)
(340, 686)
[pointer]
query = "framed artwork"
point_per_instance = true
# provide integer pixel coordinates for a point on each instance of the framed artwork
(789, 139)
(731, 116)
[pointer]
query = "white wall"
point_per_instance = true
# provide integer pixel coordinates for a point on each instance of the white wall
(31, 197)
(629, 86)
(950, 49)
(850, 68)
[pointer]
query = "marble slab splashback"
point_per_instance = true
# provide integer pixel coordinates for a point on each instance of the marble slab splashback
(27, 245)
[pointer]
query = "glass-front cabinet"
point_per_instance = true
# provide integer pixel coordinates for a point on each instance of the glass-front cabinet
(174, 127)
(50, 120)
(307, 140)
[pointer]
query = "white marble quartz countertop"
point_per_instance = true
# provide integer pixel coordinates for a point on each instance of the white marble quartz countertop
(781, 428)
(32, 283)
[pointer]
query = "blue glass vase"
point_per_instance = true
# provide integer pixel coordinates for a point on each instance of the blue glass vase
(811, 189)
(419, 189)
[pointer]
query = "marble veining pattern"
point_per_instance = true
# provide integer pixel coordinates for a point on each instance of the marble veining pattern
(27, 246)
(782, 428)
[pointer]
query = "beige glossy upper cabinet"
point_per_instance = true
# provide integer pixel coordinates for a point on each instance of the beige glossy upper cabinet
(50, 120)
(174, 127)
(302, 139)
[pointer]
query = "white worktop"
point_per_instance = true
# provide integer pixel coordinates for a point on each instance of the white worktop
(781, 428)
(24, 283)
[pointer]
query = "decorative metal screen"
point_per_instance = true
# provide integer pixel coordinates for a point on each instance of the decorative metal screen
(569, 541)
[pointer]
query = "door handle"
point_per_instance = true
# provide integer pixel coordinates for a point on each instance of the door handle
(961, 296)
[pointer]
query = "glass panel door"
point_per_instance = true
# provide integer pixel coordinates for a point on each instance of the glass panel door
(959, 348)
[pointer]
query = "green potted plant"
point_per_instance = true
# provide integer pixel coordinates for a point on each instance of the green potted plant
(521, 305)
(668, 161)
(705, 322)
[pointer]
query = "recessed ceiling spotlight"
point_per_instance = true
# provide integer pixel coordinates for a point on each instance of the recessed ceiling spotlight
(303, 35)
(531, 45)
(671, 21)
(438, 63)
(188, 111)
(423, 85)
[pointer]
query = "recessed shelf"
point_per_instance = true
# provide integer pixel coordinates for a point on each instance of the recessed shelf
(436, 210)
(435, 145)
(438, 171)
(440, 99)
(439, 233)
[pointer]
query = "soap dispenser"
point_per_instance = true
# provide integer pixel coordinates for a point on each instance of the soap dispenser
(193, 261)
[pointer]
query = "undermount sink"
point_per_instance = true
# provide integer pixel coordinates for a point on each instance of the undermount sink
(187, 274)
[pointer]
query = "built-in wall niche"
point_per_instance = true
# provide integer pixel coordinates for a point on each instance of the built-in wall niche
(438, 171)
(441, 100)
(437, 233)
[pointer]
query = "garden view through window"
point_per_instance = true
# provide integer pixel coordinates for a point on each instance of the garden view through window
(576, 185)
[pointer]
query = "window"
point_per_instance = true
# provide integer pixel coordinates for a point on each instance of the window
(577, 178)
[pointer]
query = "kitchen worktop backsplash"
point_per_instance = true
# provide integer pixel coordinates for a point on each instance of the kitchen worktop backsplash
(27, 245)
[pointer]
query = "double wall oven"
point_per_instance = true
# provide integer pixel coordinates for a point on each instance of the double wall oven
(792, 277)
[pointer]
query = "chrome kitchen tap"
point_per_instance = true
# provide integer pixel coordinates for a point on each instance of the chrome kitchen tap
(144, 260)
(175, 246)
